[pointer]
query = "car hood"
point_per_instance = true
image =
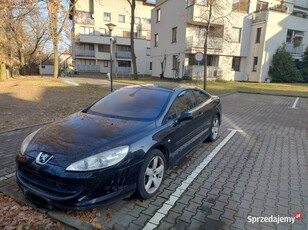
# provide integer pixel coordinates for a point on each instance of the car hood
(81, 135)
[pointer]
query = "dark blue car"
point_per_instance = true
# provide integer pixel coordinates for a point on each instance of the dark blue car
(120, 145)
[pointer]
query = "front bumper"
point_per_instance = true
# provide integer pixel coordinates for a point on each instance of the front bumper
(76, 190)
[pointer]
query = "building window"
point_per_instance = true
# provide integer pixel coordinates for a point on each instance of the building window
(240, 6)
(255, 63)
(124, 48)
(148, 51)
(104, 48)
(201, 2)
(121, 18)
(258, 37)
(107, 17)
(86, 30)
(175, 62)
(158, 15)
(91, 6)
(156, 40)
(137, 20)
(124, 64)
(174, 32)
(261, 5)
(151, 65)
(102, 31)
(236, 34)
(106, 63)
(146, 21)
(91, 46)
(236, 63)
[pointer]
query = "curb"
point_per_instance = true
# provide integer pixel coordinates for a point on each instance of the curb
(24, 127)
(272, 94)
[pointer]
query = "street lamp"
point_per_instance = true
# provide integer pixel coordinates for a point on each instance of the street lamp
(110, 28)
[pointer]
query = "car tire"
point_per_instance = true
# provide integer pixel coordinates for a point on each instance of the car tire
(214, 129)
(151, 174)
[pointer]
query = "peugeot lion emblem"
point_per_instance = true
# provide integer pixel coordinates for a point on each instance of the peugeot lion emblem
(43, 158)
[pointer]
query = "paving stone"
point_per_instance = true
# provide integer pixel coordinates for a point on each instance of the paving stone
(186, 216)
(195, 225)
(180, 225)
(239, 222)
(150, 210)
(164, 226)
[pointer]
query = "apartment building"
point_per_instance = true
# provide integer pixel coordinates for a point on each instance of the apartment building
(241, 43)
(91, 43)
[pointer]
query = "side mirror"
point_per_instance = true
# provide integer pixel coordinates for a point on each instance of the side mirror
(185, 117)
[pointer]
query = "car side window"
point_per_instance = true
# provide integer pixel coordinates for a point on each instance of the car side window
(184, 102)
(171, 114)
(200, 96)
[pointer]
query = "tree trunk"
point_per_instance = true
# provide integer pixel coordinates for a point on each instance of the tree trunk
(56, 61)
(21, 62)
(208, 26)
(132, 41)
(2, 72)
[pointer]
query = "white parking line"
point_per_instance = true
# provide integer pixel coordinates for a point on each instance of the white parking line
(295, 103)
(161, 213)
(7, 176)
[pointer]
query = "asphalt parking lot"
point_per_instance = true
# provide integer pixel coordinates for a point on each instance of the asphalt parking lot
(260, 170)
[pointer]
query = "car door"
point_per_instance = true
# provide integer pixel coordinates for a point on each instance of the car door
(204, 110)
(180, 137)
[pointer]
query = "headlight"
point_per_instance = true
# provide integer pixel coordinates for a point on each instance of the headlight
(100, 160)
(26, 142)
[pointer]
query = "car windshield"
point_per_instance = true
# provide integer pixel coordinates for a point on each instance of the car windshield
(134, 103)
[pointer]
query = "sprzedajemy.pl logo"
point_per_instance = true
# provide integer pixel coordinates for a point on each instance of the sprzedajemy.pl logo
(274, 219)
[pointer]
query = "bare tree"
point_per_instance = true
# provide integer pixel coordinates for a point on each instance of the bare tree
(17, 41)
(58, 13)
(13, 37)
(216, 11)
(132, 4)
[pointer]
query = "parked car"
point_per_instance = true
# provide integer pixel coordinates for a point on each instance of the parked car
(120, 145)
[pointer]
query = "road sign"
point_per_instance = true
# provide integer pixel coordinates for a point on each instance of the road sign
(198, 69)
(199, 56)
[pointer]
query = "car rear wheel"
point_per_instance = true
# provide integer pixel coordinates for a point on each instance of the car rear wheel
(151, 174)
(214, 129)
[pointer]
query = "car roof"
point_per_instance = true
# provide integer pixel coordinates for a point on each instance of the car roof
(163, 86)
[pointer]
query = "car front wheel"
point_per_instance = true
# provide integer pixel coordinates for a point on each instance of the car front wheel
(151, 174)
(214, 129)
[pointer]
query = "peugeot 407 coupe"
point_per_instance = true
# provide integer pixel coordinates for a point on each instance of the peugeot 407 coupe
(119, 146)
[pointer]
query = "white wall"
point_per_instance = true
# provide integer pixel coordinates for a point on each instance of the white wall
(173, 14)
(46, 69)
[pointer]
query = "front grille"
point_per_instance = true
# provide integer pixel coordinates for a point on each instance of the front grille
(53, 189)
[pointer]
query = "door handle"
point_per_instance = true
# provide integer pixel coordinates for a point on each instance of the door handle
(200, 114)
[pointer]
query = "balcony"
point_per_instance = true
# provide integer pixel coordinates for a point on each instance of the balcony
(124, 70)
(212, 71)
(88, 68)
(84, 53)
(94, 39)
(260, 16)
(144, 27)
(85, 18)
(124, 54)
(297, 51)
(215, 43)
(197, 13)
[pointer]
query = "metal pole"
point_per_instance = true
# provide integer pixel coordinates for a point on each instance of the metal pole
(111, 86)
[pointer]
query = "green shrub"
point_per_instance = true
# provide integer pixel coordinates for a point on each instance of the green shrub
(283, 68)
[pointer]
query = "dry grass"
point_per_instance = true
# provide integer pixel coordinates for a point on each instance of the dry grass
(33, 100)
